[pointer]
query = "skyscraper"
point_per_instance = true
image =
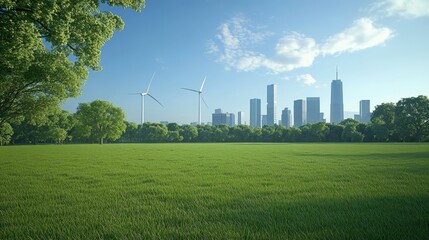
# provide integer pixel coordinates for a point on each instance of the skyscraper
(365, 114)
(299, 113)
(255, 112)
(264, 120)
(337, 107)
(231, 122)
(271, 104)
(286, 117)
(240, 118)
(218, 117)
(313, 110)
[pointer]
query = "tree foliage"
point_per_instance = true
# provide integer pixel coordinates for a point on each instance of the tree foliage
(408, 122)
(45, 50)
(6, 132)
(412, 118)
(100, 120)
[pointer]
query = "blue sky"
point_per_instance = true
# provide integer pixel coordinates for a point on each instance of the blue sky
(381, 49)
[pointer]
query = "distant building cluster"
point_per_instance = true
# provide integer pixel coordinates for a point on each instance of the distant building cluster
(219, 117)
(304, 111)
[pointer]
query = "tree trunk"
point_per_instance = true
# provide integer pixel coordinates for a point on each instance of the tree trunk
(101, 140)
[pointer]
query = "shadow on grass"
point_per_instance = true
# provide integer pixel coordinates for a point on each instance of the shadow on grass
(366, 156)
(401, 217)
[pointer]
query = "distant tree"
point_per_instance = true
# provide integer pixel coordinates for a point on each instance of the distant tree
(242, 133)
(100, 120)
(54, 129)
(412, 118)
(189, 133)
(379, 130)
(256, 134)
(292, 134)
(6, 132)
(154, 132)
(383, 122)
(131, 133)
(173, 127)
(314, 132)
(268, 133)
(220, 133)
(349, 121)
(46, 48)
(174, 136)
(334, 133)
(350, 134)
(205, 133)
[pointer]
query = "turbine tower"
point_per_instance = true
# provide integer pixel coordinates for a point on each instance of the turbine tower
(200, 98)
(143, 94)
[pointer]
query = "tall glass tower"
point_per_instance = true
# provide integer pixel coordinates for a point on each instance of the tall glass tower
(337, 106)
(313, 110)
(364, 111)
(299, 113)
(286, 117)
(271, 104)
(255, 112)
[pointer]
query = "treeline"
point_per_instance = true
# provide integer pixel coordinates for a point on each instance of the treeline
(407, 120)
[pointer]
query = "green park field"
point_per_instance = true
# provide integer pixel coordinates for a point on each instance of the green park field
(221, 191)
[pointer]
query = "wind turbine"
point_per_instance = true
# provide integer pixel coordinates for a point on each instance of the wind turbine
(200, 97)
(143, 94)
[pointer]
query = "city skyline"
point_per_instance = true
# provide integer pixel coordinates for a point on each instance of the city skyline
(243, 46)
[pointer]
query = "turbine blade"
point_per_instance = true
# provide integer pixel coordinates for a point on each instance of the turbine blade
(202, 85)
(190, 90)
(204, 101)
(134, 93)
(155, 99)
(153, 75)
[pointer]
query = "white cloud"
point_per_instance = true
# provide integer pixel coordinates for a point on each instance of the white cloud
(361, 35)
(296, 50)
(212, 47)
(404, 8)
(306, 79)
(237, 39)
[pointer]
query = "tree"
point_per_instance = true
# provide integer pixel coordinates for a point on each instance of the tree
(314, 132)
(130, 134)
(383, 120)
(334, 133)
(6, 132)
(154, 132)
(46, 48)
(189, 133)
(220, 133)
(412, 118)
(100, 120)
(205, 133)
(350, 134)
(292, 134)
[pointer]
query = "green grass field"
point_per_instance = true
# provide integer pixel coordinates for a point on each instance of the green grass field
(204, 191)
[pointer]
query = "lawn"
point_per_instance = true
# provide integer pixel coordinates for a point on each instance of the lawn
(205, 191)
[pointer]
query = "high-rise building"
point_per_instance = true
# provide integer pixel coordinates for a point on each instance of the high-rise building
(218, 117)
(337, 106)
(357, 117)
(299, 113)
(286, 117)
(255, 112)
(364, 111)
(322, 117)
(271, 104)
(313, 110)
(240, 118)
(264, 120)
(231, 122)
